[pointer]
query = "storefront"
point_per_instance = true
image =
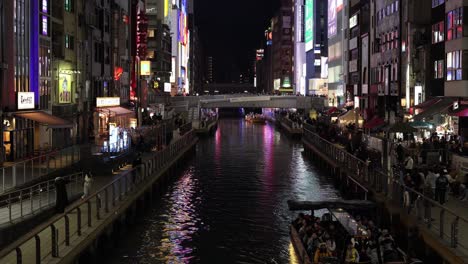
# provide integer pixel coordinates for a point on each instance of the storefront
(28, 133)
(112, 124)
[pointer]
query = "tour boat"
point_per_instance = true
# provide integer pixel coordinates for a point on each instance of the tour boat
(256, 119)
(346, 229)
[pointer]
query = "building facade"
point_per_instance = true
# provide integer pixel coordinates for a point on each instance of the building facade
(283, 49)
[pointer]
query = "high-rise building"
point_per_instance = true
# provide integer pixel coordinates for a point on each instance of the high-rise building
(282, 48)
(159, 44)
(337, 63)
(26, 82)
(316, 46)
(456, 52)
(299, 48)
(180, 33)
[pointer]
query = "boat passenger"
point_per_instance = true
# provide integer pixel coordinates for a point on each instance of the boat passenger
(352, 255)
(331, 244)
(321, 252)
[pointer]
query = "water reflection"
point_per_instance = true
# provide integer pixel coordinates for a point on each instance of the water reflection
(230, 204)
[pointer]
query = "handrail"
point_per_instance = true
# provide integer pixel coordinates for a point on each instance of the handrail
(24, 198)
(104, 201)
(25, 171)
(53, 152)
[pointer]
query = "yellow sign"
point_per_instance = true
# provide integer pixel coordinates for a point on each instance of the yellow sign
(64, 89)
(145, 68)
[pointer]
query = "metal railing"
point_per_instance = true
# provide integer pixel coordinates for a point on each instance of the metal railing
(22, 172)
(445, 222)
(34, 199)
(208, 122)
(51, 238)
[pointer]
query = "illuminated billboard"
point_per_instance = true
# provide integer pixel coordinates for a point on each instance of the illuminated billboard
(331, 18)
(309, 25)
(145, 68)
(183, 26)
(64, 88)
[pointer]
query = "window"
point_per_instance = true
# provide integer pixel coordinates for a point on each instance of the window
(69, 42)
(437, 3)
(455, 24)
(439, 69)
(69, 5)
(150, 33)
(438, 32)
(45, 26)
(454, 65)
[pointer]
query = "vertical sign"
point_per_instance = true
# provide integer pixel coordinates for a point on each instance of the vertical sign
(309, 25)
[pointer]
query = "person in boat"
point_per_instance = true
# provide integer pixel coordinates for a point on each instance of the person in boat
(331, 244)
(321, 253)
(352, 255)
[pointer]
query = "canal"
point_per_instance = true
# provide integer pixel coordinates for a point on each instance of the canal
(229, 204)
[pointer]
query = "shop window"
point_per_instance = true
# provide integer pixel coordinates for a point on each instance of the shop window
(69, 5)
(438, 32)
(438, 69)
(455, 24)
(454, 65)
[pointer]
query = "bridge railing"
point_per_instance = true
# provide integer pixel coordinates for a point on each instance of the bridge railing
(444, 222)
(52, 237)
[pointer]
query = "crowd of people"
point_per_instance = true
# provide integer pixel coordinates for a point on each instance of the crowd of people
(325, 243)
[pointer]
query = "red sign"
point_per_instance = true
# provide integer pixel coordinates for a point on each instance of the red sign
(118, 73)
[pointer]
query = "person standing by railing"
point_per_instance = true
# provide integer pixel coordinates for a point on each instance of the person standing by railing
(61, 197)
(87, 184)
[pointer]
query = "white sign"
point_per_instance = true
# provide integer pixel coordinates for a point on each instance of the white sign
(277, 84)
(167, 87)
(25, 100)
(353, 21)
(353, 66)
(107, 101)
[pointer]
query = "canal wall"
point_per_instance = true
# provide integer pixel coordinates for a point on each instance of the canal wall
(89, 225)
(356, 181)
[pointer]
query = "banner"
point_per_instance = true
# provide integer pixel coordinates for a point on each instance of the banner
(64, 89)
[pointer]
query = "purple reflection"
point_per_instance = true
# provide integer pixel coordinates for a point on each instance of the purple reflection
(268, 142)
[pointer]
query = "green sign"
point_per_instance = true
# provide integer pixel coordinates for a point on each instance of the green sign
(309, 25)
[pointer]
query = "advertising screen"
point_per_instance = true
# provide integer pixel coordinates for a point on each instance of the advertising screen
(309, 25)
(334, 6)
(64, 89)
(331, 18)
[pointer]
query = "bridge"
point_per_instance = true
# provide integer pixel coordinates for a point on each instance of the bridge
(244, 101)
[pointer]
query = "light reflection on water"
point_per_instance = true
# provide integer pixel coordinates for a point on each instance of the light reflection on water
(229, 205)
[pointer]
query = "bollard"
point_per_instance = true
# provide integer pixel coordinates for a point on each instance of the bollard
(38, 249)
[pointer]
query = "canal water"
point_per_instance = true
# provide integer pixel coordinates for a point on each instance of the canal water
(229, 204)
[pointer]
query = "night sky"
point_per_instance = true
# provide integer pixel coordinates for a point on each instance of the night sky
(231, 31)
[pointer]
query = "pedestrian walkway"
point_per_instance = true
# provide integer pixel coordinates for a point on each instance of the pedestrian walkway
(56, 239)
(18, 205)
